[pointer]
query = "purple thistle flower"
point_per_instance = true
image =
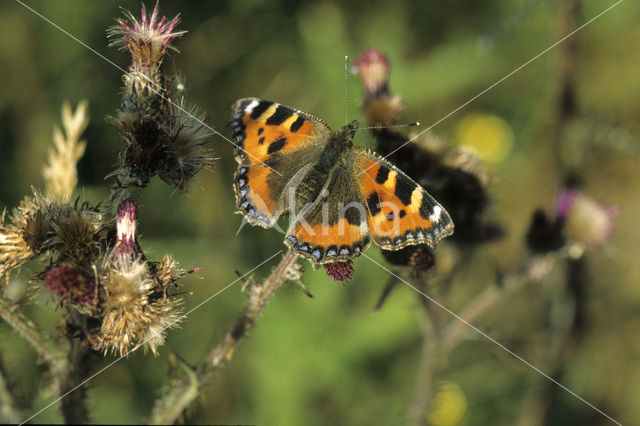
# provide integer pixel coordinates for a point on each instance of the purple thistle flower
(587, 221)
(564, 201)
(339, 271)
(127, 244)
(71, 287)
(147, 39)
(373, 68)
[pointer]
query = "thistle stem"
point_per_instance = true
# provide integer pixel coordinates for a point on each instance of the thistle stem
(428, 370)
(48, 350)
(179, 394)
(74, 405)
(9, 413)
(536, 269)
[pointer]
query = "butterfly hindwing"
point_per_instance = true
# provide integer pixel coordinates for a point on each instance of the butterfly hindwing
(401, 212)
(273, 143)
(334, 228)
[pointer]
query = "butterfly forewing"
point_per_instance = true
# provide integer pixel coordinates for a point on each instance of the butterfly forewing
(273, 143)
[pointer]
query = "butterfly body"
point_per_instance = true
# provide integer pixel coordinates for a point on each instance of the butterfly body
(339, 197)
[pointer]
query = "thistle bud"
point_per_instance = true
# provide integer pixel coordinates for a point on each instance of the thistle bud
(127, 243)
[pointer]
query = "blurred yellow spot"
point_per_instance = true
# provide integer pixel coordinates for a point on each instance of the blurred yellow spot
(449, 405)
(488, 135)
(230, 352)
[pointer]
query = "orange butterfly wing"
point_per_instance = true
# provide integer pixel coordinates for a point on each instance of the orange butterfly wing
(401, 212)
(365, 198)
(274, 143)
(334, 228)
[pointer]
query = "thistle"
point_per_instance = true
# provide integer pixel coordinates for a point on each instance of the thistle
(147, 40)
(162, 136)
(137, 304)
(339, 271)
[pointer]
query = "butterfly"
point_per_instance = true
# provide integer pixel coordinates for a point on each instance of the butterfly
(339, 196)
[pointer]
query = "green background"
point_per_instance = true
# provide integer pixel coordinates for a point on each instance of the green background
(333, 359)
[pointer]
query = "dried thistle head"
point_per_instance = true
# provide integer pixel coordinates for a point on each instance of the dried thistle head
(77, 232)
(137, 312)
(137, 305)
(127, 283)
(186, 149)
(14, 251)
(22, 238)
(419, 258)
(168, 272)
(60, 173)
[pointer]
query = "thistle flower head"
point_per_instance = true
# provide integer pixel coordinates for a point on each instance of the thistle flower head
(545, 234)
(186, 149)
(22, 238)
(147, 39)
(14, 251)
(76, 233)
(137, 313)
(126, 243)
(138, 307)
(380, 107)
(168, 272)
(71, 287)
(339, 271)
(419, 258)
(586, 221)
(373, 69)
(128, 282)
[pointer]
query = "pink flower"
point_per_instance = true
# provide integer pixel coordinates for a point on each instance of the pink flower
(148, 39)
(373, 69)
(586, 220)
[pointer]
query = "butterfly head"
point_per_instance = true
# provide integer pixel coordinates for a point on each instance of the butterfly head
(348, 132)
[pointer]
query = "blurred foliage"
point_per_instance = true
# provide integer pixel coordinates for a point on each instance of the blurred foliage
(332, 359)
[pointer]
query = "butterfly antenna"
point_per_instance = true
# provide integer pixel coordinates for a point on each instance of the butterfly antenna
(346, 90)
(393, 126)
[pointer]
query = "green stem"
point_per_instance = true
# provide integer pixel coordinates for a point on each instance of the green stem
(48, 349)
(179, 394)
(74, 405)
(535, 270)
(8, 411)
(426, 377)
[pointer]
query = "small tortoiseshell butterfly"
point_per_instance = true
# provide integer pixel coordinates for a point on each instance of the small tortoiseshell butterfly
(339, 196)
